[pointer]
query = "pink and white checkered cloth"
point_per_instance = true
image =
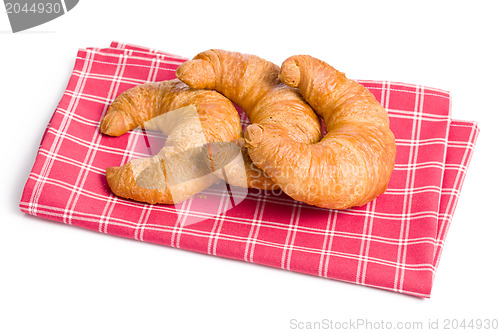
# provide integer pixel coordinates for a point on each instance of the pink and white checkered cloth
(393, 242)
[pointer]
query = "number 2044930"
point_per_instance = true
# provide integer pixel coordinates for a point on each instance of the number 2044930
(33, 8)
(470, 324)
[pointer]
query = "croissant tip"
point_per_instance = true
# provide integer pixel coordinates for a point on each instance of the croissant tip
(253, 134)
(111, 172)
(197, 74)
(290, 72)
(115, 123)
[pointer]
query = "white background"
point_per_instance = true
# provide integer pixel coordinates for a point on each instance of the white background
(58, 278)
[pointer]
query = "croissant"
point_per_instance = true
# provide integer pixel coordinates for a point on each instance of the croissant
(253, 84)
(353, 163)
(350, 166)
(191, 118)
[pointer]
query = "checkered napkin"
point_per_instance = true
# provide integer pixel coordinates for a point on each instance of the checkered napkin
(393, 242)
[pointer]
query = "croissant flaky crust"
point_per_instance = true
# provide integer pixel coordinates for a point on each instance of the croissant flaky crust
(283, 147)
(181, 169)
(253, 84)
(348, 167)
(353, 162)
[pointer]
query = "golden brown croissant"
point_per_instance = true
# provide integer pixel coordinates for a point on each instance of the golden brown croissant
(179, 170)
(350, 166)
(253, 84)
(176, 173)
(137, 105)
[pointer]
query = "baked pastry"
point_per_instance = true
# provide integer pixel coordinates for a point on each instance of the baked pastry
(191, 118)
(350, 166)
(253, 84)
